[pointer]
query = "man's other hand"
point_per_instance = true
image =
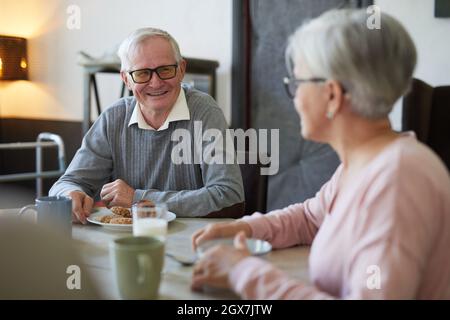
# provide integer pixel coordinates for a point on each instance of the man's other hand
(81, 206)
(117, 193)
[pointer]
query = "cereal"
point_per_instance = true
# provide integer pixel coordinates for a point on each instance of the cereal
(106, 219)
(120, 211)
(121, 220)
(115, 219)
(145, 204)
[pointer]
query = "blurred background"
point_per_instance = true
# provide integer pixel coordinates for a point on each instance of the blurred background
(244, 41)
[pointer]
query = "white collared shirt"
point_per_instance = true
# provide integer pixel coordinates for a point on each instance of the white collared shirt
(180, 111)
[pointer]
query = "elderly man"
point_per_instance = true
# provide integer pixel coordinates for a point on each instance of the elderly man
(126, 155)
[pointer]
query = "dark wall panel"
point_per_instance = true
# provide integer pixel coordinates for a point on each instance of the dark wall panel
(260, 32)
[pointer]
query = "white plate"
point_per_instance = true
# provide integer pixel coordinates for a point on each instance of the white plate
(100, 212)
(256, 247)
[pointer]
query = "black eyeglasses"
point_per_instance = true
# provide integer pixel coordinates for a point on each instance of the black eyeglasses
(163, 72)
(291, 84)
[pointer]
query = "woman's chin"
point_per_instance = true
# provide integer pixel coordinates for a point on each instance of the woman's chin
(304, 132)
(308, 135)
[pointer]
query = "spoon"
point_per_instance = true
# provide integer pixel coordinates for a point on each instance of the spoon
(183, 260)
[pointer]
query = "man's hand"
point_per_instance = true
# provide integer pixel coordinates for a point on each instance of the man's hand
(117, 193)
(81, 206)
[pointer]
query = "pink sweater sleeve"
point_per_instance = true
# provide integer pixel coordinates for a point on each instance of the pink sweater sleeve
(295, 224)
(254, 278)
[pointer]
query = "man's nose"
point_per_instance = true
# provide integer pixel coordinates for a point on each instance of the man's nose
(155, 80)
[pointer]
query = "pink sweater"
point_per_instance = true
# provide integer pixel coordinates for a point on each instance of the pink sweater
(387, 237)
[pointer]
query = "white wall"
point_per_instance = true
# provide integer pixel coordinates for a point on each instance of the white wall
(203, 29)
(431, 36)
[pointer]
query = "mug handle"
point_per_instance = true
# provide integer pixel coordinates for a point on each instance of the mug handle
(144, 265)
(28, 207)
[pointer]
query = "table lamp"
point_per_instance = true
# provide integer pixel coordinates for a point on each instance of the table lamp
(13, 58)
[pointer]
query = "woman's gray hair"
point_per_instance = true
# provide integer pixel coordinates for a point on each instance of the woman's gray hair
(375, 66)
(137, 37)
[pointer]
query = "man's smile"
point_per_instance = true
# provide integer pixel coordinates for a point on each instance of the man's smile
(157, 93)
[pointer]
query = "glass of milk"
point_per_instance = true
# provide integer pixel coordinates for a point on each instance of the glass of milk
(148, 220)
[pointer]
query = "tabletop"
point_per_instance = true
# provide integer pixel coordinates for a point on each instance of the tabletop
(176, 278)
(92, 243)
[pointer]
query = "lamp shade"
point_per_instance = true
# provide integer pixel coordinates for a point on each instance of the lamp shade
(13, 58)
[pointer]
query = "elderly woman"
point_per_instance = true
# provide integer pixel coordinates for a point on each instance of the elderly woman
(386, 208)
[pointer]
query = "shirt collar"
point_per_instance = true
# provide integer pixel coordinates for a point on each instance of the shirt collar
(180, 111)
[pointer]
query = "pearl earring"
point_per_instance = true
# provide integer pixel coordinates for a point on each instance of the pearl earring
(330, 115)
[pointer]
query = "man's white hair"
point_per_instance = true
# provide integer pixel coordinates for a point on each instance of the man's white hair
(375, 66)
(137, 37)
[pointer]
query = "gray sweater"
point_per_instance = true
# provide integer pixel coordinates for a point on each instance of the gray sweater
(111, 150)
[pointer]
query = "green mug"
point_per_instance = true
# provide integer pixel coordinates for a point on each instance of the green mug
(137, 263)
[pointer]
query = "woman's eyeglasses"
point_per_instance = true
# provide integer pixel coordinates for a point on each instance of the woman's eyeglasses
(291, 84)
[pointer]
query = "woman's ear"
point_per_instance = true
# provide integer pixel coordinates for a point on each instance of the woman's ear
(335, 97)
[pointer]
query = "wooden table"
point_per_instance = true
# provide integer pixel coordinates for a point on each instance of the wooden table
(94, 241)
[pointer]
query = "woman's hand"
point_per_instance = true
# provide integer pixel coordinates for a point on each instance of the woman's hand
(215, 265)
(220, 230)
